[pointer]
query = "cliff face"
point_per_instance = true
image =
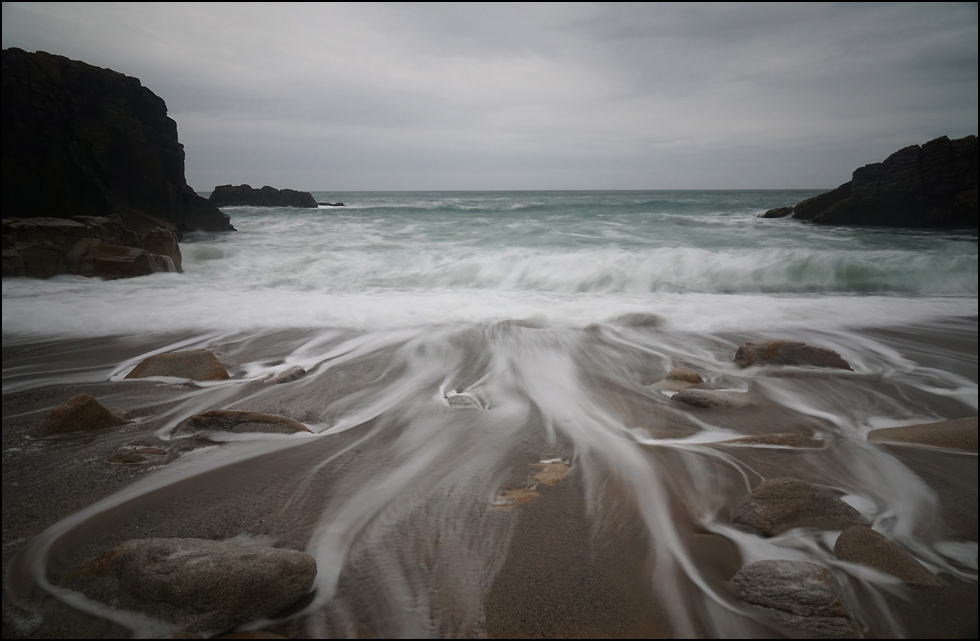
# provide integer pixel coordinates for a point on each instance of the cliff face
(934, 185)
(81, 140)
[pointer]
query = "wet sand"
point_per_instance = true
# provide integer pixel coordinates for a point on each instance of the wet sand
(411, 507)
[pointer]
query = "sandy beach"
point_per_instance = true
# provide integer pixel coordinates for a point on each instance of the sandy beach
(534, 514)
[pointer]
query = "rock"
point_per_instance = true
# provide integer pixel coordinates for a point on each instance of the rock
(861, 544)
(782, 439)
(80, 140)
(137, 455)
(231, 195)
(788, 353)
(85, 246)
(239, 422)
(290, 374)
(959, 434)
(195, 364)
(778, 212)
(638, 319)
(934, 185)
(684, 374)
(704, 399)
(463, 401)
(801, 597)
(198, 584)
(161, 242)
(331, 204)
(81, 413)
(782, 504)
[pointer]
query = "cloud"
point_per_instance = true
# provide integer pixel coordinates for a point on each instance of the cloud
(464, 96)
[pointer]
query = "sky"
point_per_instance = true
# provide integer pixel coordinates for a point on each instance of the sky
(347, 97)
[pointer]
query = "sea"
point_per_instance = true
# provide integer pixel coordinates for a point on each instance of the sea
(556, 313)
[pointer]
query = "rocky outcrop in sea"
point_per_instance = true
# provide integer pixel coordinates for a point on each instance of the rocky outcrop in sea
(80, 140)
(933, 186)
(231, 195)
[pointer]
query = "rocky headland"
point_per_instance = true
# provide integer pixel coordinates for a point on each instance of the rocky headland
(232, 195)
(928, 186)
(93, 173)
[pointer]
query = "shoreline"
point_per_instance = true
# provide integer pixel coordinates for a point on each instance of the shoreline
(408, 480)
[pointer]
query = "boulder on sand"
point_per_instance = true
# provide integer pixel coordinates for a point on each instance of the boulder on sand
(782, 504)
(801, 597)
(195, 364)
(788, 353)
(200, 585)
(239, 422)
(81, 413)
(861, 544)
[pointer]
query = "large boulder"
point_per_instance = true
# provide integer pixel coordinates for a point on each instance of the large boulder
(81, 413)
(861, 544)
(788, 353)
(81, 140)
(800, 597)
(239, 422)
(934, 185)
(228, 195)
(195, 364)
(782, 504)
(200, 585)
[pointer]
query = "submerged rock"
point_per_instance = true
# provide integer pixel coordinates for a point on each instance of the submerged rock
(801, 597)
(959, 434)
(463, 401)
(861, 544)
(231, 195)
(195, 364)
(293, 373)
(706, 400)
(782, 504)
(239, 422)
(794, 353)
(81, 413)
(638, 319)
(197, 584)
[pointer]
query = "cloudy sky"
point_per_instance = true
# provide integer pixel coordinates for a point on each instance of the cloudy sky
(525, 96)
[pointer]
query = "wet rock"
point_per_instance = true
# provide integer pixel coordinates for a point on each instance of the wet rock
(81, 413)
(704, 399)
(782, 504)
(116, 261)
(161, 242)
(290, 374)
(550, 473)
(685, 375)
(638, 319)
(195, 364)
(801, 597)
(463, 401)
(782, 439)
(509, 499)
(788, 353)
(960, 434)
(198, 584)
(325, 204)
(230, 195)
(137, 455)
(861, 544)
(778, 212)
(239, 422)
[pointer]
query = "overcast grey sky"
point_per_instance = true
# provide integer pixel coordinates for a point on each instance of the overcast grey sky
(525, 96)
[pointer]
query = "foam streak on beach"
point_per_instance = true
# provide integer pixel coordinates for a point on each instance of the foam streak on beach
(494, 448)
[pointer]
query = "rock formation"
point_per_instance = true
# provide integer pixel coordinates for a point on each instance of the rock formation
(934, 185)
(85, 246)
(79, 140)
(229, 195)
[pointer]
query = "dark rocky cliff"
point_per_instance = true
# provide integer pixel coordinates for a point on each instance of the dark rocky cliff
(225, 195)
(79, 140)
(934, 185)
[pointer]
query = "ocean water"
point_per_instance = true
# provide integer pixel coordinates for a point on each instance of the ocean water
(557, 314)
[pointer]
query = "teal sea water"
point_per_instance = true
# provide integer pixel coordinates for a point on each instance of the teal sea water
(558, 315)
